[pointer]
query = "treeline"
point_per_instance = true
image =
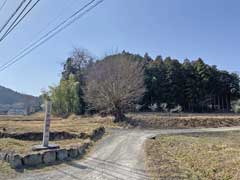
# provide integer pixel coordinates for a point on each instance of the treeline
(192, 85)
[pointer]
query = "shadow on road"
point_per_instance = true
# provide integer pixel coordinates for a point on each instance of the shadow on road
(107, 169)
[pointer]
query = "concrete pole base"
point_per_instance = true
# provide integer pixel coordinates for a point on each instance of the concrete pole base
(41, 147)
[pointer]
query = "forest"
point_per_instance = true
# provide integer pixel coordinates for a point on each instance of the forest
(170, 85)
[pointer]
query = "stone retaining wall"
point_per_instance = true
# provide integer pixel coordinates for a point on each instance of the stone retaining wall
(54, 136)
(17, 161)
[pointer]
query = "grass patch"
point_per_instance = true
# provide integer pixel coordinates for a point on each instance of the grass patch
(194, 156)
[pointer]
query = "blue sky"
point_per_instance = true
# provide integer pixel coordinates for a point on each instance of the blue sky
(178, 28)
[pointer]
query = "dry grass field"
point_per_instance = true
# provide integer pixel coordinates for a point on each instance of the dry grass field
(22, 124)
(194, 156)
(76, 124)
(34, 123)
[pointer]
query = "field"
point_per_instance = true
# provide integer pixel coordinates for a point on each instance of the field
(34, 123)
(183, 120)
(194, 156)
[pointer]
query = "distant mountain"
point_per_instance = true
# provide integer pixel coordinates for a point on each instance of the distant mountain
(10, 97)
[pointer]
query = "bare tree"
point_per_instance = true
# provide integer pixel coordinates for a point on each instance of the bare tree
(114, 85)
(77, 64)
(82, 58)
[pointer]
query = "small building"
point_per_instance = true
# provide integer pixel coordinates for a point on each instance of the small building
(17, 112)
(19, 109)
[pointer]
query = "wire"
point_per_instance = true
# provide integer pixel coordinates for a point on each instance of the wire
(15, 23)
(14, 13)
(17, 17)
(48, 33)
(53, 20)
(3, 4)
(49, 36)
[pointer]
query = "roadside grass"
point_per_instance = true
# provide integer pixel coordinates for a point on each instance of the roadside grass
(194, 156)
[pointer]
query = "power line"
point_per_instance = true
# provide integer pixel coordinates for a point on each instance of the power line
(51, 33)
(14, 13)
(3, 4)
(47, 34)
(53, 19)
(16, 21)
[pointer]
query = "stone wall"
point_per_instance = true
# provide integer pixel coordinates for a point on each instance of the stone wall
(17, 161)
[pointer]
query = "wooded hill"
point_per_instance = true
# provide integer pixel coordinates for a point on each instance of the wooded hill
(9, 97)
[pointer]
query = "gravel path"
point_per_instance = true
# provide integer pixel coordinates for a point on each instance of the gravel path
(119, 156)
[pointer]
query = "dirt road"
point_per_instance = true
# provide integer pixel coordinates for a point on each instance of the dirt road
(119, 156)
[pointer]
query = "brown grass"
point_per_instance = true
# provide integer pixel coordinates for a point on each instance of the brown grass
(195, 156)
